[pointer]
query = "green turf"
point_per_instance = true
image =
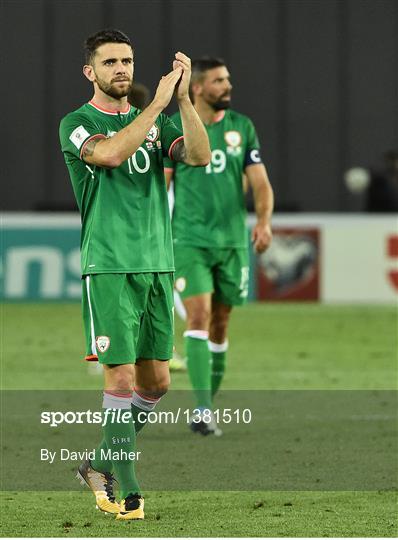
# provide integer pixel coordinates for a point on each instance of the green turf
(304, 346)
(207, 514)
(293, 346)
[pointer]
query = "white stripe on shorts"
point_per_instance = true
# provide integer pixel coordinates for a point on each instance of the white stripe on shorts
(180, 308)
(93, 347)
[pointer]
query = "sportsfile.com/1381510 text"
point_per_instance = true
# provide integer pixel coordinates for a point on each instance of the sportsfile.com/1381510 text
(221, 416)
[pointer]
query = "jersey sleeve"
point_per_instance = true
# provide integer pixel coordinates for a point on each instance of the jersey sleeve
(168, 164)
(170, 135)
(75, 131)
(252, 152)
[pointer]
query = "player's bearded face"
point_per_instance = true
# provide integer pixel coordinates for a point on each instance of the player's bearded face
(113, 69)
(118, 87)
(216, 90)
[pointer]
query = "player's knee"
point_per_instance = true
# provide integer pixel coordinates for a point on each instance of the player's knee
(161, 389)
(199, 319)
(119, 381)
(158, 387)
(123, 384)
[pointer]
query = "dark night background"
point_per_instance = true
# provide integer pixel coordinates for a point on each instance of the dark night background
(318, 77)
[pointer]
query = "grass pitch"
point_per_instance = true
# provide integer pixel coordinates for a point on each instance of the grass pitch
(286, 347)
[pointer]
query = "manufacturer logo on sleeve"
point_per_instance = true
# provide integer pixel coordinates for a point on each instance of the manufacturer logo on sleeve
(103, 343)
(78, 136)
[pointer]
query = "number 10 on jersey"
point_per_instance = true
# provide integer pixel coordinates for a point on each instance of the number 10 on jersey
(133, 164)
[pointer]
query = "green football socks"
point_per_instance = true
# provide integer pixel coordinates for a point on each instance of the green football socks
(120, 438)
(199, 368)
(218, 354)
(99, 463)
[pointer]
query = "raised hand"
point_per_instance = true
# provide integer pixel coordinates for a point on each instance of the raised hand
(166, 87)
(184, 63)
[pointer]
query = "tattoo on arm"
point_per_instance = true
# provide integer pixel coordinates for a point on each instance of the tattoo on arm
(88, 150)
(179, 151)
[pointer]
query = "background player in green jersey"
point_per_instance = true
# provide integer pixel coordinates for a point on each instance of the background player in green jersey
(209, 230)
(114, 154)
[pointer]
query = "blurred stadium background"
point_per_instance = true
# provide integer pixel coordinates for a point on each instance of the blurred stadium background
(319, 79)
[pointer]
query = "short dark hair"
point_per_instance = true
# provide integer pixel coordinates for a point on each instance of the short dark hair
(110, 35)
(200, 65)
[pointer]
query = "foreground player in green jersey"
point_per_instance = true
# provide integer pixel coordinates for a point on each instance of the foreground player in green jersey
(114, 154)
(209, 230)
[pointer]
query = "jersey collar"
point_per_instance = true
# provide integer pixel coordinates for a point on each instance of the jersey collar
(107, 111)
(219, 116)
(217, 119)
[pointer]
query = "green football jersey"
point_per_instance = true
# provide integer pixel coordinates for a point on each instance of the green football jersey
(125, 216)
(209, 202)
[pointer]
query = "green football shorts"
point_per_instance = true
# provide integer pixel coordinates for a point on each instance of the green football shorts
(128, 316)
(222, 271)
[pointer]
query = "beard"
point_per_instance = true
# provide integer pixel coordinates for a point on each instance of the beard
(113, 91)
(220, 104)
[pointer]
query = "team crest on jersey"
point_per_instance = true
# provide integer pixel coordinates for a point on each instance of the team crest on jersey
(153, 133)
(103, 343)
(233, 138)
